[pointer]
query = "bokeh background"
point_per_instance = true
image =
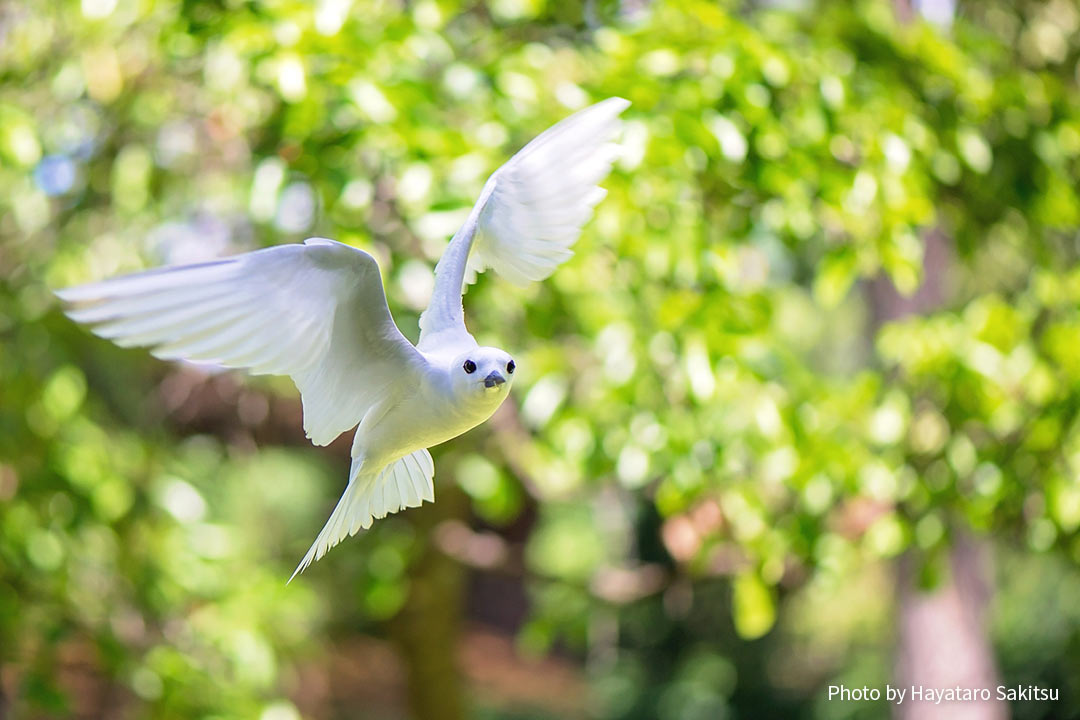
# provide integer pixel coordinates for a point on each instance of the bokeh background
(802, 410)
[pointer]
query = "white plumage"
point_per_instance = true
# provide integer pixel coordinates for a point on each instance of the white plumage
(317, 312)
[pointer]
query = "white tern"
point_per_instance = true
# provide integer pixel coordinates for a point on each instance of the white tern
(317, 312)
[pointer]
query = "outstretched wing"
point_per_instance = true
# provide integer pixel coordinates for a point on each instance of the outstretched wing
(316, 312)
(529, 214)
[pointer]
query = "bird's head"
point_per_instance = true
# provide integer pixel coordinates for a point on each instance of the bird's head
(483, 372)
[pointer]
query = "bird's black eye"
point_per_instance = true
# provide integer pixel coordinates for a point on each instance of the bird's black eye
(470, 367)
(510, 367)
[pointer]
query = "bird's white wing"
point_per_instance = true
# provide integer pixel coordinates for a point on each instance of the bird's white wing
(529, 214)
(316, 312)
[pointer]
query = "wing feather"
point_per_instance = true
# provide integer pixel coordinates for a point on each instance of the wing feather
(529, 214)
(315, 312)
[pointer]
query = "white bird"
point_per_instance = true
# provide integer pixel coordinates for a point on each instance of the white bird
(317, 312)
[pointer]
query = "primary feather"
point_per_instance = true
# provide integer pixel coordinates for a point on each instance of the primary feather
(529, 213)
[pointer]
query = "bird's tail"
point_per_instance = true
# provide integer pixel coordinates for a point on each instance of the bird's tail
(405, 483)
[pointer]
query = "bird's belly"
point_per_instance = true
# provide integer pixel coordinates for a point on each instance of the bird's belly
(419, 423)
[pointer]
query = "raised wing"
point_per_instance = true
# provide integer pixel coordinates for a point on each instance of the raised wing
(316, 312)
(529, 214)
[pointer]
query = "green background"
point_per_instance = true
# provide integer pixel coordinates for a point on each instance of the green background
(822, 335)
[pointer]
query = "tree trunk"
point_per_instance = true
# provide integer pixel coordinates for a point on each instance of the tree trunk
(427, 631)
(942, 641)
(942, 636)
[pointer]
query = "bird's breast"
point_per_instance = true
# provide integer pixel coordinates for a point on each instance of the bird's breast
(424, 418)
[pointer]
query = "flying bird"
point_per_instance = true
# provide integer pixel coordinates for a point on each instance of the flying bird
(317, 312)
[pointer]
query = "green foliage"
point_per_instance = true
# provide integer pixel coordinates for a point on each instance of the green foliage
(718, 387)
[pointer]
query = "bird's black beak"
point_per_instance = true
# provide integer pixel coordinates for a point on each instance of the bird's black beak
(494, 379)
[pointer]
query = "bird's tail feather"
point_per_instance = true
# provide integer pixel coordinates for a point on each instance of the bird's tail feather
(405, 483)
